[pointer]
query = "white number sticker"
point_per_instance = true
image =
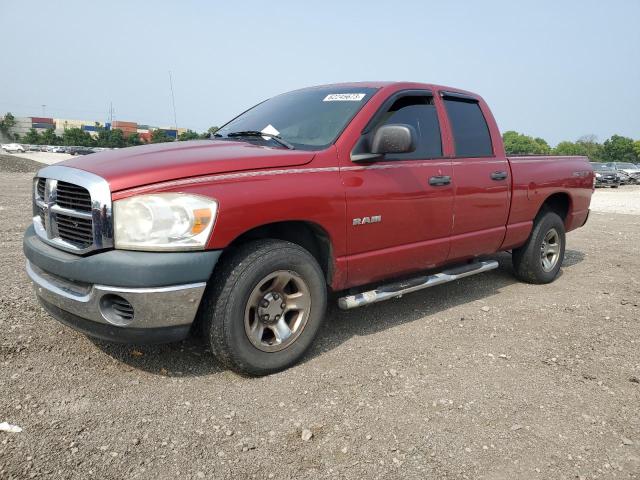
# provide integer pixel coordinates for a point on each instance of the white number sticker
(344, 97)
(270, 129)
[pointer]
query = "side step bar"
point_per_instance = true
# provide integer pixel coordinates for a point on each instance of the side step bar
(396, 290)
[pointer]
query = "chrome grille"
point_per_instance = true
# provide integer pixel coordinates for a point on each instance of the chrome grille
(73, 197)
(78, 231)
(40, 187)
(72, 209)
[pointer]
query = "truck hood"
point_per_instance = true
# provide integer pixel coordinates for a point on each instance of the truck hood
(137, 166)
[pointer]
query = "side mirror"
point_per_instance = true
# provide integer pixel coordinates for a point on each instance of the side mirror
(394, 138)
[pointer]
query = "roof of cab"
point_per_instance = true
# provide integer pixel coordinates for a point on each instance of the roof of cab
(396, 84)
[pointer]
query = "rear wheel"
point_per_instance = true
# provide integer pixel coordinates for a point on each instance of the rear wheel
(264, 306)
(539, 260)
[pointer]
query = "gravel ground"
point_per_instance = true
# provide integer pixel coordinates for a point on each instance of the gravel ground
(486, 378)
(48, 158)
(625, 199)
(15, 164)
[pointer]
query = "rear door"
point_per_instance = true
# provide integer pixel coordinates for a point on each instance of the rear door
(399, 209)
(481, 180)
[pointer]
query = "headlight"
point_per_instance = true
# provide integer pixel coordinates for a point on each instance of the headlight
(598, 175)
(163, 221)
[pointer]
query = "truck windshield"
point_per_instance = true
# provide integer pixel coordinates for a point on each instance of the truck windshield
(309, 119)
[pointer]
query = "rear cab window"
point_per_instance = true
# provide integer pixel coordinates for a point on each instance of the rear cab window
(468, 126)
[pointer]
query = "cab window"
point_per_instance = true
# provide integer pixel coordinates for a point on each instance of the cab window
(420, 112)
(470, 131)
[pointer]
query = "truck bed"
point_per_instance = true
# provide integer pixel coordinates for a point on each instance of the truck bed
(535, 178)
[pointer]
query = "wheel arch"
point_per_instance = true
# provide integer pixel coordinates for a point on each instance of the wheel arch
(309, 235)
(559, 203)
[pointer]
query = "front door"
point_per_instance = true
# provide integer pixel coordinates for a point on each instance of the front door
(400, 209)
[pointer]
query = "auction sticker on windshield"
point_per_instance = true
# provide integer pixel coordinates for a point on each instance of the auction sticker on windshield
(344, 97)
(270, 130)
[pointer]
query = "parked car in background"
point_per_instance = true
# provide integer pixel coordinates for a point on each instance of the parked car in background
(13, 148)
(56, 149)
(629, 169)
(606, 176)
(625, 179)
(80, 150)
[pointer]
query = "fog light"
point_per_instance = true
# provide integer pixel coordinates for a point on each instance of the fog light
(116, 310)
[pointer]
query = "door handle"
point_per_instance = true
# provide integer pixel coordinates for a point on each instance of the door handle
(498, 175)
(440, 180)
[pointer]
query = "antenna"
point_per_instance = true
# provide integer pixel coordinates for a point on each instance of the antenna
(173, 101)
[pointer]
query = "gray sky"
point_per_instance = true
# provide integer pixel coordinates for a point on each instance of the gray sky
(554, 69)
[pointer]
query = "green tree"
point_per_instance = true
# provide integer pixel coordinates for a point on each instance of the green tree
(32, 137)
(636, 148)
(519, 144)
(209, 133)
(586, 146)
(160, 136)
(619, 149)
(133, 140)
(188, 135)
(111, 138)
(543, 146)
(77, 137)
(7, 122)
(49, 137)
(592, 148)
(568, 148)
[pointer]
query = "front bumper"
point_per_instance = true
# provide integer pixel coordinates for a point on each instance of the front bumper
(95, 295)
(607, 181)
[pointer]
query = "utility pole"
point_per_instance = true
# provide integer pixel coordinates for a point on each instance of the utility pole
(43, 110)
(173, 101)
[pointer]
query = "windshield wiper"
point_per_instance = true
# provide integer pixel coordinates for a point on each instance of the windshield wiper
(256, 133)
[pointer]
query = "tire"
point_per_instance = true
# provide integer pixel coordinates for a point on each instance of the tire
(615, 186)
(251, 285)
(529, 260)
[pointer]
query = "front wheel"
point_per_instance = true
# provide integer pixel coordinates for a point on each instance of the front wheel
(264, 306)
(539, 260)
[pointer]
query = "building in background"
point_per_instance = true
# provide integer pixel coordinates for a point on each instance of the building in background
(59, 125)
(24, 124)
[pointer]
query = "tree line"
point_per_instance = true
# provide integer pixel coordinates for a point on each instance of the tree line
(113, 138)
(617, 148)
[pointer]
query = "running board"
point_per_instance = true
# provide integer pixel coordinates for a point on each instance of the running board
(396, 290)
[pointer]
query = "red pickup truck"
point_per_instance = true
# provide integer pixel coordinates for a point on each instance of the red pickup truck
(371, 189)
